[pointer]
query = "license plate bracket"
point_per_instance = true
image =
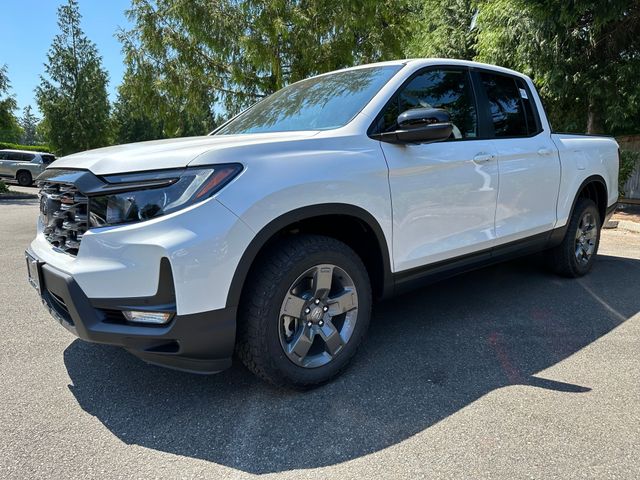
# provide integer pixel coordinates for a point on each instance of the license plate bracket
(34, 272)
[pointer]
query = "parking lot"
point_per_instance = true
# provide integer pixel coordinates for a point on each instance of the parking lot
(506, 372)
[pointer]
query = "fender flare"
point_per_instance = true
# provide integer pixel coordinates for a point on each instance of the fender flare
(297, 215)
(558, 233)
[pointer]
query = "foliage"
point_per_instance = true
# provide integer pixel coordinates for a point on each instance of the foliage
(583, 57)
(29, 124)
(444, 29)
(629, 162)
(9, 129)
(189, 61)
(73, 99)
(31, 148)
(3, 187)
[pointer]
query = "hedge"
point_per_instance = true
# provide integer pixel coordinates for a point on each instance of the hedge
(32, 148)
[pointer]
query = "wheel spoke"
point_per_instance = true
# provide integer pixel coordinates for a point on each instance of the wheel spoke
(331, 337)
(342, 303)
(322, 281)
(301, 344)
(293, 305)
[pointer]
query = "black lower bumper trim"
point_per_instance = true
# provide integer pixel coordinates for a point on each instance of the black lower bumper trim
(201, 342)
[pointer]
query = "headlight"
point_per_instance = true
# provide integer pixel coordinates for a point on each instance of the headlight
(135, 197)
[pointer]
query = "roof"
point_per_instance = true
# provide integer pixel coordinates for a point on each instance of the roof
(24, 151)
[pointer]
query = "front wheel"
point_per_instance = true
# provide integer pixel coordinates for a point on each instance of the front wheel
(576, 254)
(24, 178)
(304, 312)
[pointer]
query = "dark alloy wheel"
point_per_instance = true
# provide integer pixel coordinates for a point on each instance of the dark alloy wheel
(304, 311)
(576, 254)
(24, 178)
(318, 315)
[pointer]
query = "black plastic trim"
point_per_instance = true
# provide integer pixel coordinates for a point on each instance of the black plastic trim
(200, 342)
(304, 213)
(420, 276)
(164, 300)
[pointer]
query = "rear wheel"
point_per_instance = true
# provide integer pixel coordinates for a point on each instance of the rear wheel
(24, 178)
(304, 312)
(576, 254)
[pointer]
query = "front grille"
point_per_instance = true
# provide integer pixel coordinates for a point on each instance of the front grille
(63, 210)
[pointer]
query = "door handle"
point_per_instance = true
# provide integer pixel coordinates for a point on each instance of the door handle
(543, 152)
(483, 157)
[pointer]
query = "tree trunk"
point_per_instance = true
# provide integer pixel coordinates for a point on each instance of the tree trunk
(594, 118)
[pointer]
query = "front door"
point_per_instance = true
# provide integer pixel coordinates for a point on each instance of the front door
(443, 194)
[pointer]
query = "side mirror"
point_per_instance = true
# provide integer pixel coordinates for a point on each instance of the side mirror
(419, 125)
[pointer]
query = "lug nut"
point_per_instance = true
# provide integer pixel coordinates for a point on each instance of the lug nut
(324, 309)
(321, 323)
(307, 310)
(309, 324)
(317, 301)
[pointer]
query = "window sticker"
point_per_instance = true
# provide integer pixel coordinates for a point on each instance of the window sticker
(523, 93)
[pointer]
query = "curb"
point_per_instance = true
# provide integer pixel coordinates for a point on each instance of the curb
(17, 196)
(630, 226)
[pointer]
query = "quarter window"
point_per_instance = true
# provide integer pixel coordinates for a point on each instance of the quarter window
(509, 106)
(444, 88)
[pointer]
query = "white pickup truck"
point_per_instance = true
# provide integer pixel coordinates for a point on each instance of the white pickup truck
(272, 236)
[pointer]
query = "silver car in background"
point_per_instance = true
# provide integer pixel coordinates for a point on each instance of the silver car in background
(23, 165)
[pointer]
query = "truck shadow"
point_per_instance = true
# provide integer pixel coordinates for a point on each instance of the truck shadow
(428, 355)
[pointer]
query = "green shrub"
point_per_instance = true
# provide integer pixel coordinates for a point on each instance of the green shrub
(629, 161)
(3, 187)
(32, 148)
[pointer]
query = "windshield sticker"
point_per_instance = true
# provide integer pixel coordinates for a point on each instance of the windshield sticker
(523, 93)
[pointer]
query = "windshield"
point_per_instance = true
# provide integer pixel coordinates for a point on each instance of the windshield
(320, 103)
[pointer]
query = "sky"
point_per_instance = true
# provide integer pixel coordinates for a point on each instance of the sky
(28, 27)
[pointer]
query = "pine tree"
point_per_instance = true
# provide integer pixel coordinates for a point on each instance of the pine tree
(73, 94)
(9, 129)
(29, 123)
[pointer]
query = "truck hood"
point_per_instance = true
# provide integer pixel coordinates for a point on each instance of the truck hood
(170, 153)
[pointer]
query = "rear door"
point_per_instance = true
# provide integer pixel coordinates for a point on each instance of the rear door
(528, 160)
(8, 162)
(443, 194)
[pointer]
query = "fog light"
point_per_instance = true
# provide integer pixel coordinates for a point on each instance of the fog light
(156, 318)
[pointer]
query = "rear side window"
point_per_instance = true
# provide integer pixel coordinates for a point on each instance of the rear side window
(510, 107)
(48, 158)
(27, 157)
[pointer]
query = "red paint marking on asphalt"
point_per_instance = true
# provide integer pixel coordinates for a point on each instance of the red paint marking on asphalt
(510, 370)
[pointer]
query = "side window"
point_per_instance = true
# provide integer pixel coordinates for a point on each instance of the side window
(445, 88)
(508, 110)
(533, 123)
(47, 159)
(27, 157)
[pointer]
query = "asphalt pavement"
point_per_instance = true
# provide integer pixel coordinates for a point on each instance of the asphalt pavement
(507, 372)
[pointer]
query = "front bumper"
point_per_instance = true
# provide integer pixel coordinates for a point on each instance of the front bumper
(198, 342)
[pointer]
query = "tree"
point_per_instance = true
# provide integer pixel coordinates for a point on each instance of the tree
(583, 56)
(445, 29)
(73, 99)
(29, 123)
(9, 129)
(208, 58)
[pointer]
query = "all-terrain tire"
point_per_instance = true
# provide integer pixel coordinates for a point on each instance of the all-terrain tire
(563, 259)
(259, 316)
